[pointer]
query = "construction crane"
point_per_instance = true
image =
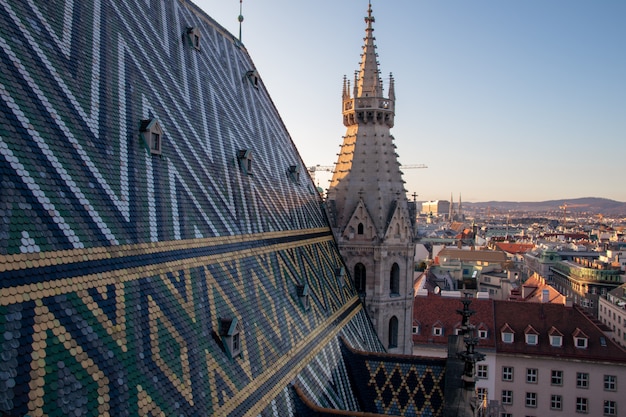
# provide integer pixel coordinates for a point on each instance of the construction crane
(565, 206)
(330, 168)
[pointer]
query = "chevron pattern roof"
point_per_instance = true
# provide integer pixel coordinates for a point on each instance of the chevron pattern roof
(150, 194)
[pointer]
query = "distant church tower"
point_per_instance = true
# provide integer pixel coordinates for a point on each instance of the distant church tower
(372, 219)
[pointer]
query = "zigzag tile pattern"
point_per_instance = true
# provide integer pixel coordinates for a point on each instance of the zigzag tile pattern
(116, 265)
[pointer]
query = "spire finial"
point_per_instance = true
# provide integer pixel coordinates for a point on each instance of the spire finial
(240, 18)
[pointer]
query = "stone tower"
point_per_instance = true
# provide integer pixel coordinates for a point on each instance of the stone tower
(372, 219)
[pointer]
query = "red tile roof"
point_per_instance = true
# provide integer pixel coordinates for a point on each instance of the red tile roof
(519, 318)
(547, 319)
(532, 291)
(514, 248)
(435, 309)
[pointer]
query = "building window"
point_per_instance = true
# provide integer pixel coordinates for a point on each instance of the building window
(506, 415)
(582, 380)
(557, 378)
(359, 229)
(531, 375)
(482, 334)
(481, 395)
(610, 382)
(394, 279)
(531, 399)
(531, 339)
(393, 332)
(359, 278)
(507, 397)
(507, 373)
(610, 408)
(581, 342)
(582, 405)
(556, 341)
(416, 329)
(556, 402)
(482, 371)
(437, 331)
(507, 337)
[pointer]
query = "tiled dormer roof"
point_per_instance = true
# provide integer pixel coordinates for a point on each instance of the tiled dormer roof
(530, 330)
(554, 332)
(579, 334)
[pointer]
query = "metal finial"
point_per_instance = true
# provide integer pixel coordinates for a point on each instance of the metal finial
(240, 18)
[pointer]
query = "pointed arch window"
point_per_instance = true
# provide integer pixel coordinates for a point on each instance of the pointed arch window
(394, 280)
(359, 229)
(359, 277)
(393, 332)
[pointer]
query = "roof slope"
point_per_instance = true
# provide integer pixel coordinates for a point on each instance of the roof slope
(118, 264)
(443, 312)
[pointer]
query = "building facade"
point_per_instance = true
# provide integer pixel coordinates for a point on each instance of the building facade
(612, 313)
(586, 280)
(541, 358)
(372, 219)
(438, 208)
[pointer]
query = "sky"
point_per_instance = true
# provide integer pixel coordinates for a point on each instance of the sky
(502, 100)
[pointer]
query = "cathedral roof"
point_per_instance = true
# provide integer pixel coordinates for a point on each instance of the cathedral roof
(159, 252)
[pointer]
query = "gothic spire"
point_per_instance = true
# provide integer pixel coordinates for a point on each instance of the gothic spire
(369, 80)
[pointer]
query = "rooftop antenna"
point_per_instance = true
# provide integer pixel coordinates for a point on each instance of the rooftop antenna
(240, 18)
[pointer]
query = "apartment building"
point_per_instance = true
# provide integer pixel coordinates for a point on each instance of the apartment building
(541, 358)
(551, 360)
(612, 313)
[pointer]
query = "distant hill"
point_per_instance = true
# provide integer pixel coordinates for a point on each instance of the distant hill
(592, 205)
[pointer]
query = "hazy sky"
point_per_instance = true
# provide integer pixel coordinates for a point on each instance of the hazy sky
(502, 100)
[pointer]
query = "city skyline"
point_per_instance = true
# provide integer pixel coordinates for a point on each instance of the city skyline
(509, 102)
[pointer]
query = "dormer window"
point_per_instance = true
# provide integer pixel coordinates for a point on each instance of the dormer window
(230, 330)
(482, 331)
(580, 339)
(303, 296)
(152, 134)
(253, 78)
(294, 174)
(244, 158)
(532, 336)
(340, 274)
(508, 335)
(438, 329)
(416, 327)
(556, 337)
(193, 37)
